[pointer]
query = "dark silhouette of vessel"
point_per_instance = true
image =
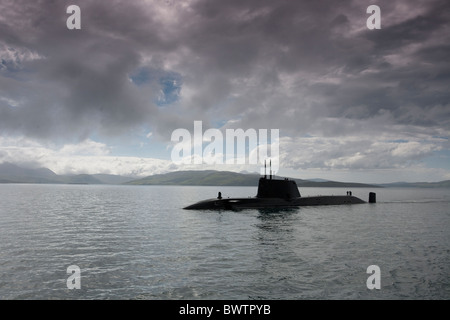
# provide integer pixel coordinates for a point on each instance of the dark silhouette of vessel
(276, 194)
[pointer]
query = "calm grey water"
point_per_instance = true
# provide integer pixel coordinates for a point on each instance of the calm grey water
(135, 242)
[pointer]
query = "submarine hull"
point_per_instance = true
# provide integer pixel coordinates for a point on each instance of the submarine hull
(275, 194)
(273, 203)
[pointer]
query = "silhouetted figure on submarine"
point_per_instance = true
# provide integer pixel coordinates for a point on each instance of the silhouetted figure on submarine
(273, 194)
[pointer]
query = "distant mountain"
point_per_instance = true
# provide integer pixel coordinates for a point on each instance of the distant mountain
(111, 178)
(200, 178)
(333, 184)
(318, 180)
(80, 179)
(227, 178)
(440, 184)
(11, 173)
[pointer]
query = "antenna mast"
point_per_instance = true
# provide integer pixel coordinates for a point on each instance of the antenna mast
(265, 175)
(270, 169)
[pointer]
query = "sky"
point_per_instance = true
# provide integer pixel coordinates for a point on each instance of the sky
(350, 103)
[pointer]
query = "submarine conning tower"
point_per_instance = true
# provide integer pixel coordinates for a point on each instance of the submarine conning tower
(270, 188)
(285, 189)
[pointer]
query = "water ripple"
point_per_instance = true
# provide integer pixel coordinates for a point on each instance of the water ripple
(136, 243)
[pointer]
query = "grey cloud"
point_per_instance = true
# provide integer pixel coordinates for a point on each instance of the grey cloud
(302, 42)
(304, 67)
(81, 85)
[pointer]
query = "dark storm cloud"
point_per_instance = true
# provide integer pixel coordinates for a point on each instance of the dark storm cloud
(291, 64)
(300, 66)
(68, 83)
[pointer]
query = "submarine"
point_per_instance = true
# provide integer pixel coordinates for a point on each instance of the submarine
(276, 194)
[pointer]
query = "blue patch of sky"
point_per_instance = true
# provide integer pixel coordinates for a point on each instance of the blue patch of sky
(398, 141)
(8, 65)
(441, 137)
(219, 123)
(169, 84)
(141, 77)
(439, 159)
(11, 69)
(171, 89)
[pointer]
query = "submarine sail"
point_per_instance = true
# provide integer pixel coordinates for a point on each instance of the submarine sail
(276, 193)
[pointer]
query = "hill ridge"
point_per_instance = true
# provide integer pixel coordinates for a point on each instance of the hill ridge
(12, 173)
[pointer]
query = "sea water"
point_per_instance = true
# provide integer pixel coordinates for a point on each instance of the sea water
(136, 242)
